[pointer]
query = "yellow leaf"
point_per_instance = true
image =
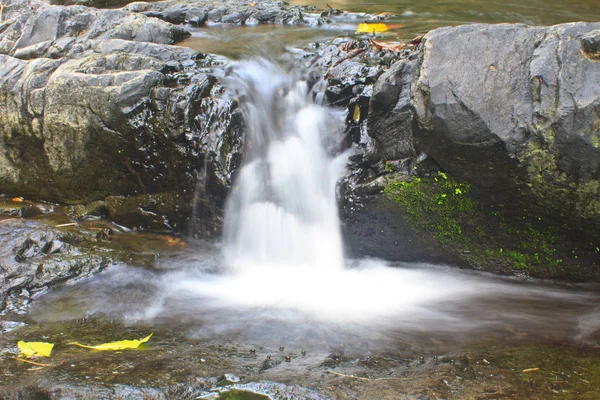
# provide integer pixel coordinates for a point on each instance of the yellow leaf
(32, 349)
(356, 115)
(17, 199)
(371, 28)
(113, 346)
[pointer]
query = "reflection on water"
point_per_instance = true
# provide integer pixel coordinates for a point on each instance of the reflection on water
(368, 305)
(426, 15)
(415, 17)
(236, 42)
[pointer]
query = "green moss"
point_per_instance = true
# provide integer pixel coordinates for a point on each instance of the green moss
(442, 207)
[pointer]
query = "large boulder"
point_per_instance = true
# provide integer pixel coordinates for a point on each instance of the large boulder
(511, 109)
(111, 110)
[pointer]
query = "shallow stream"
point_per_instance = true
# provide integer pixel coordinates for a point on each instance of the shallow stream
(276, 308)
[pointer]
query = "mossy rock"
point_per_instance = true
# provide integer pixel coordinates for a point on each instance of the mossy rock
(484, 235)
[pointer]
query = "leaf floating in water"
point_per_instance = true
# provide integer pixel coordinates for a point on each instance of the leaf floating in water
(356, 115)
(17, 199)
(114, 346)
(175, 242)
(32, 349)
(366, 27)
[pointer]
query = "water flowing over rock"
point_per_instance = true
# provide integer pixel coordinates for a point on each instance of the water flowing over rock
(282, 210)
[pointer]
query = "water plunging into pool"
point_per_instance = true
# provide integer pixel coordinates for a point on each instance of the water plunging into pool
(280, 274)
(282, 212)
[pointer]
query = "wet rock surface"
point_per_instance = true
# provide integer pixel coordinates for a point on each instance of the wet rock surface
(509, 108)
(423, 113)
(232, 12)
(95, 104)
(35, 257)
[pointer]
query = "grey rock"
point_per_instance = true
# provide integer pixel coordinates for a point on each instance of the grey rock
(226, 12)
(390, 111)
(34, 29)
(511, 109)
(34, 257)
(112, 111)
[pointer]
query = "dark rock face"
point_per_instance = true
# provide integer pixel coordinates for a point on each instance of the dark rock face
(94, 104)
(34, 257)
(509, 108)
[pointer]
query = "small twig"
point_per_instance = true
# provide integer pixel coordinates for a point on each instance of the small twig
(32, 362)
(360, 378)
(351, 54)
(531, 369)
(69, 224)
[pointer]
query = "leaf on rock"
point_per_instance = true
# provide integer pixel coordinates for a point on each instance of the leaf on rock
(356, 115)
(114, 346)
(32, 349)
(386, 46)
(417, 40)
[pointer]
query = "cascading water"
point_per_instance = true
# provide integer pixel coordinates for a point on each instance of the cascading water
(282, 211)
(282, 275)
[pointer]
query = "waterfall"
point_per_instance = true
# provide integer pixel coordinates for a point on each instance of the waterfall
(282, 211)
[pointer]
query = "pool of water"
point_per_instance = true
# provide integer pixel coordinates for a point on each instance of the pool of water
(415, 18)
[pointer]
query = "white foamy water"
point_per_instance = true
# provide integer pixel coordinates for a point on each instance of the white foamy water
(282, 211)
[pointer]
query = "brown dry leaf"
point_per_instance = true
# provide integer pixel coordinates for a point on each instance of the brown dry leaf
(346, 46)
(387, 46)
(417, 39)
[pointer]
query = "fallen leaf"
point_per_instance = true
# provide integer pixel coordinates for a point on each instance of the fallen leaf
(113, 346)
(387, 46)
(371, 28)
(175, 242)
(32, 349)
(356, 115)
(17, 199)
(367, 27)
(417, 39)
(346, 46)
